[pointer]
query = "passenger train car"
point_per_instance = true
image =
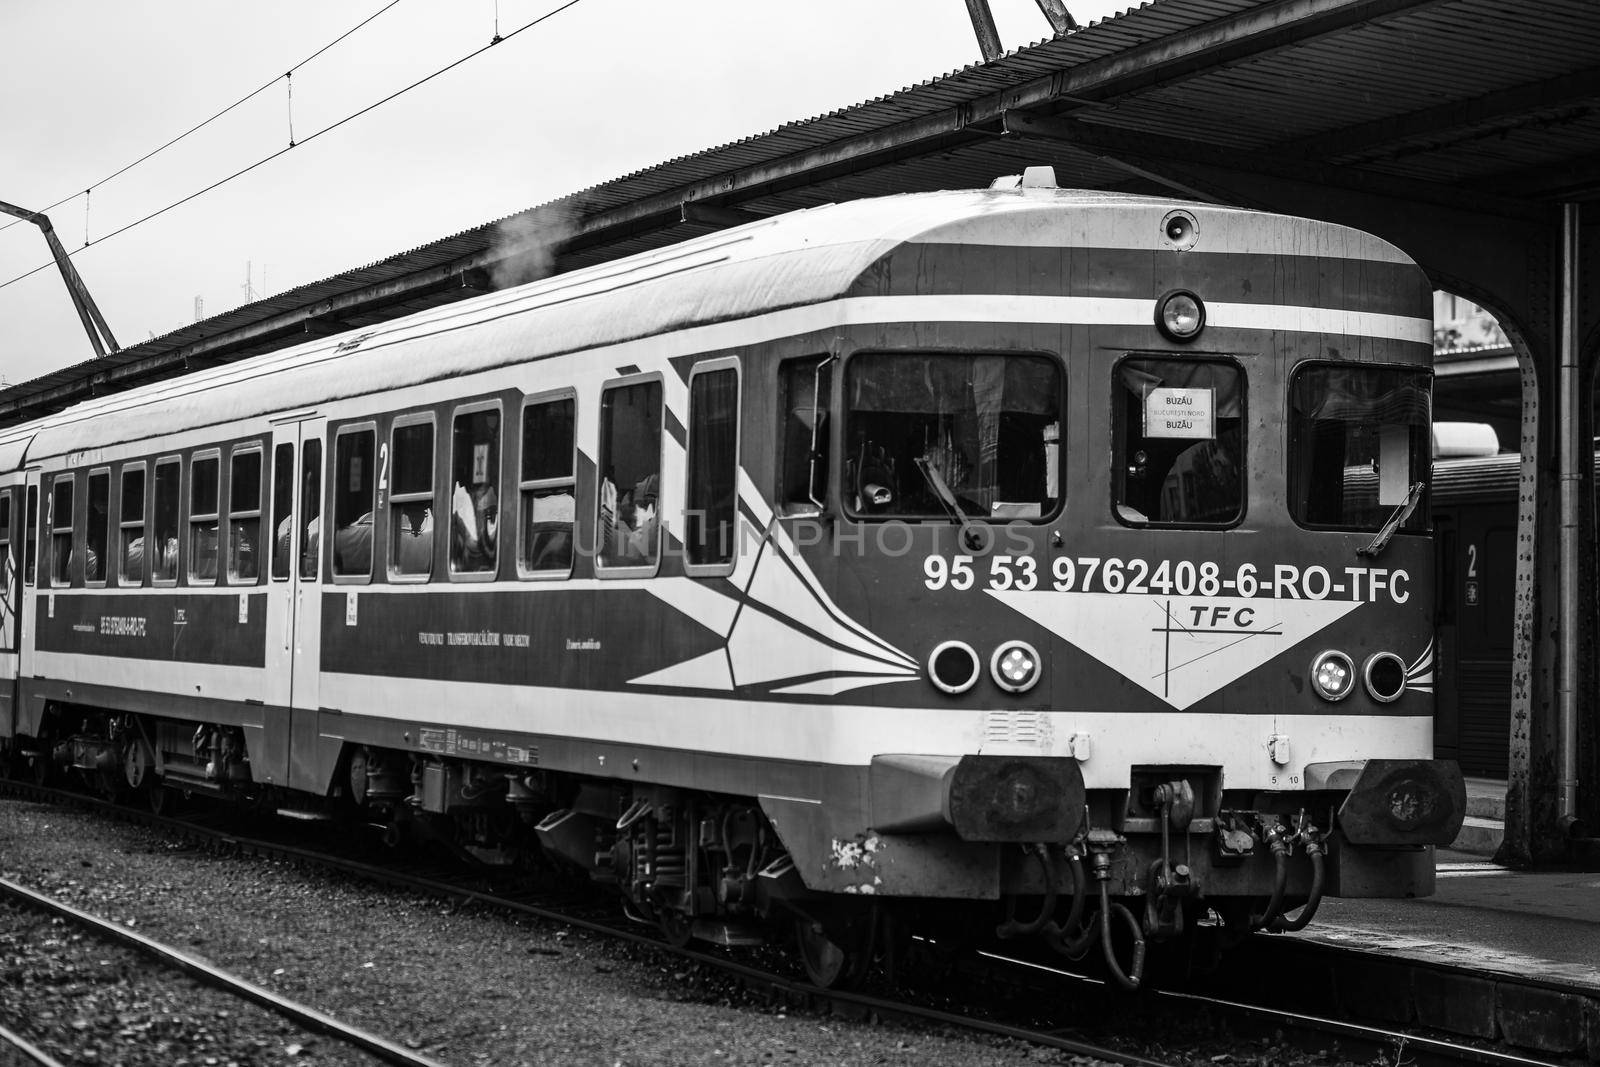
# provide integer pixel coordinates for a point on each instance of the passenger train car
(1022, 560)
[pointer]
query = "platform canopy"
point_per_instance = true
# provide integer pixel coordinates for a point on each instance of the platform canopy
(1482, 105)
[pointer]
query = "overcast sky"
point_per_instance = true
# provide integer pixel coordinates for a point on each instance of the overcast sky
(598, 90)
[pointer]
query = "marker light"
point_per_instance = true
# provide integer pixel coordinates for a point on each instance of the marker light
(1180, 315)
(1385, 677)
(954, 667)
(1333, 676)
(1015, 666)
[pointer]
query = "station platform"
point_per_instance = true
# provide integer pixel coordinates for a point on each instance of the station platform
(1495, 953)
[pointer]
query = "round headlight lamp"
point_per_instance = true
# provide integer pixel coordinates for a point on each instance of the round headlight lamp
(954, 667)
(1015, 666)
(1385, 677)
(1333, 675)
(1180, 315)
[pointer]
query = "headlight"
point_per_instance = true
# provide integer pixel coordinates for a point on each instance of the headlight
(954, 667)
(1180, 315)
(1333, 675)
(1015, 666)
(1385, 676)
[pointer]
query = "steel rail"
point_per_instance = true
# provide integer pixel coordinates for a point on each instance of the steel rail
(307, 1017)
(15, 1041)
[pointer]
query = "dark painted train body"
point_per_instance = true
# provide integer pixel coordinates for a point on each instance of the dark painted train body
(951, 547)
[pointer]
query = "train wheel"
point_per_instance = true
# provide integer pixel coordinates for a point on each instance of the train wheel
(676, 927)
(829, 964)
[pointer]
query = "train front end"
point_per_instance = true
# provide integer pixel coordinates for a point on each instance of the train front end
(1141, 493)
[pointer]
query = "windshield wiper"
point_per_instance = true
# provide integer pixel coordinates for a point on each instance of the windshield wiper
(969, 532)
(1397, 518)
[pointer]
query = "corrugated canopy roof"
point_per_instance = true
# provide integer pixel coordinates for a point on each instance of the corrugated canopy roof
(1484, 105)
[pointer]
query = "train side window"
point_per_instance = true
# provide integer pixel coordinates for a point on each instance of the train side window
(805, 391)
(131, 524)
(97, 535)
(205, 497)
(244, 515)
(311, 510)
(1359, 446)
(1179, 442)
(411, 498)
(711, 495)
(474, 496)
(354, 495)
(163, 552)
(61, 501)
(548, 486)
(30, 536)
(282, 510)
(5, 544)
(630, 478)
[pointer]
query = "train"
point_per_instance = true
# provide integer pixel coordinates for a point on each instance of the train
(1029, 563)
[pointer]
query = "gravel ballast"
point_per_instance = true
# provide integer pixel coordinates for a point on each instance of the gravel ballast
(465, 986)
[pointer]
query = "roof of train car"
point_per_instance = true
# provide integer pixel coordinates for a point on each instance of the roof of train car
(786, 261)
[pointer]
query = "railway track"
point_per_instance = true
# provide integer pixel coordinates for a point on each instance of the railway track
(997, 1014)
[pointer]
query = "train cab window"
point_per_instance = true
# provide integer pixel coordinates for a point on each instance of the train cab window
(711, 493)
(130, 522)
(244, 516)
(97, 535)
(952, 436)
(548, 487)
(311, 510)
(630, 477)
(354, 495)
(1359, 446)
(30, 536)
(1178, 431)
(282, 510)
(61, 501)
(411, 498)
(805, 390)
(163, 551)
(205, 495)
(474, 496)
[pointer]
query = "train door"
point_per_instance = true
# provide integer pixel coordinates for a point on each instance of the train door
(294, 597)
(1446, 701)
(27, 603)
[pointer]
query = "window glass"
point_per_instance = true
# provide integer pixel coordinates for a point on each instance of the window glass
(98, 532)
(1358, 443)
(928, 434)
(803, 433)
(5, 540)
(1179, 442)
(204, 494)
(282, 509)
(411, 500)
(474, 500)
(131, 522)
(548, 486)
(712, 491)
(311, 509)
(244, 516)
(630, 475)
(30, 543)
(61, 530)
(353, 498)
(164, 560)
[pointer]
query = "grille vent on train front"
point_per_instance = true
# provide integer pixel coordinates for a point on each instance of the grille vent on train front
(1015, 728)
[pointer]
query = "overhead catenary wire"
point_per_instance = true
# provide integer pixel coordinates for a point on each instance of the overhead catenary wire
(206, 122)
(310, 137)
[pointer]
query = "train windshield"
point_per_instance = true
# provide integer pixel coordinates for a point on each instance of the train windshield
(928, 435)
(1358, 445)
(1179, 442)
